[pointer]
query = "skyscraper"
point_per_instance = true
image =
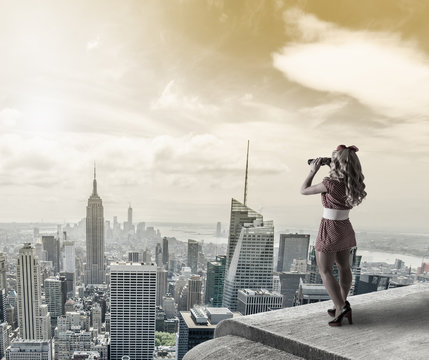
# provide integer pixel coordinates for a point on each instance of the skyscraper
(161, 284)
(215, 281)
(130, 216)
(251, 263)
(3, 268)
(52, 247)
(56, 295)
(240, 215)
(194, 291)
(128, 225)
(132, 311)
(133, 256)
(218, 229)
(292, 246)
(95, 272)
(193, 255)
(69, 257)
(5, 331)
(165, 257)
(29, 301)
(158, 254)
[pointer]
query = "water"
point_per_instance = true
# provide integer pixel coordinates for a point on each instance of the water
(207, 233)
(378, 256)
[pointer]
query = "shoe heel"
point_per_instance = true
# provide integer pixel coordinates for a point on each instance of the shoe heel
(349, 317)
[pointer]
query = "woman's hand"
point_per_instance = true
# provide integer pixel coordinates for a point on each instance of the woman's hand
(315, 165)
(307, 188)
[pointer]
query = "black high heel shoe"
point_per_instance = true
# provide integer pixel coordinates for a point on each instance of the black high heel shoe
(345, 313)
(331, 312)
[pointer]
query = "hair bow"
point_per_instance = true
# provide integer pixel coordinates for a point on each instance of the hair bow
(343, 147)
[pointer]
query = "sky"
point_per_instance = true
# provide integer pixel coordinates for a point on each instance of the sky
(164, 95)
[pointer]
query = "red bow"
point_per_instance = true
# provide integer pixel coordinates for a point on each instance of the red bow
(352, 147)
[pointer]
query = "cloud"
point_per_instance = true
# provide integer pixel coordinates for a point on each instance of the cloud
(172, 97)
(93, 44)
(9, 117)
(379, 69)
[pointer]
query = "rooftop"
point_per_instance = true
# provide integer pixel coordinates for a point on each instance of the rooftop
(261, 292)
(389, 324)
(190, 323)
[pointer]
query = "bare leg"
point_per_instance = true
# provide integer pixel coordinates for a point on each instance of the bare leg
(343, 265)
(325, 261)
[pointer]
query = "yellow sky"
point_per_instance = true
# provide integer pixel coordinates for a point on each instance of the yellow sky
(163, 95)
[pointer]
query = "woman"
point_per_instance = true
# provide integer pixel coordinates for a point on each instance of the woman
(342, 190)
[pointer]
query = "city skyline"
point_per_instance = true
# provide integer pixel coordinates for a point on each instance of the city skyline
(165, 97)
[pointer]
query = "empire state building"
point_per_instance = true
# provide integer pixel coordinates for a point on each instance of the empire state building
(95, 271)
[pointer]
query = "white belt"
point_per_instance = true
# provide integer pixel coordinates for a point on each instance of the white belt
(334, 214)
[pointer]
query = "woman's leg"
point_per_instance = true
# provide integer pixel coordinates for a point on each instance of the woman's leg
(325, 261)
(342, 259)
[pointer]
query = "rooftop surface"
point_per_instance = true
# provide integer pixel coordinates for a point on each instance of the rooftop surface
(389, 324)
(192, 325)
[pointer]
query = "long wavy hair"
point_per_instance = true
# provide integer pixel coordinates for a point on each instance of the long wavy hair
(346, 167)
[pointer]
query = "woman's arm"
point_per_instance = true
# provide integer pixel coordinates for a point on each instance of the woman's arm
(307, 188)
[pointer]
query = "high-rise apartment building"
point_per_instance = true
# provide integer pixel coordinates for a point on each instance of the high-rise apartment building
(5, 332)
(215, 281)
(29, 303)
(56, 296)
(133, 256)
(193, 255)
(44, 323)
(51, 245)
(178, 287)
(132, 311)
(96, 317)
(218, 229)
(161, 284)
(251, 263)
(95, 272)
(289, 285)
(158, 254)
(147, 256)
(165, 257)
(169, 307)
(194, 291)
(130, 217)
(69, 259)
(3, 305)
(3, 269)
(292, 246)
(69, 279)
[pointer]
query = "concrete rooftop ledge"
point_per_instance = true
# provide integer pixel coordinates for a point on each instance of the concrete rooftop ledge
(390, 324)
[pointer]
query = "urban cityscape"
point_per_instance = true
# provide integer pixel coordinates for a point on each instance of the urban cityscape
(135, 226)
(100, 290)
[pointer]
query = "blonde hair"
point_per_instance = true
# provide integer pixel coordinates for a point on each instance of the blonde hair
(346, 167)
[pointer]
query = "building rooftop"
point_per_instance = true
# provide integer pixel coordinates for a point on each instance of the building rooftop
(389, 324)
(259, 292)
(190, 323)
(218, 310)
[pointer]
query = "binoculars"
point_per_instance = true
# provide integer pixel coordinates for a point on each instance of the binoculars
(325, 161)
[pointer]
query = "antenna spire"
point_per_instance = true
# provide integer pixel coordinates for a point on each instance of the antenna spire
(94, 183)
(247, 169)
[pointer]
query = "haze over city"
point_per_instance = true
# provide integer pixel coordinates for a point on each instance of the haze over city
(163, 96)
